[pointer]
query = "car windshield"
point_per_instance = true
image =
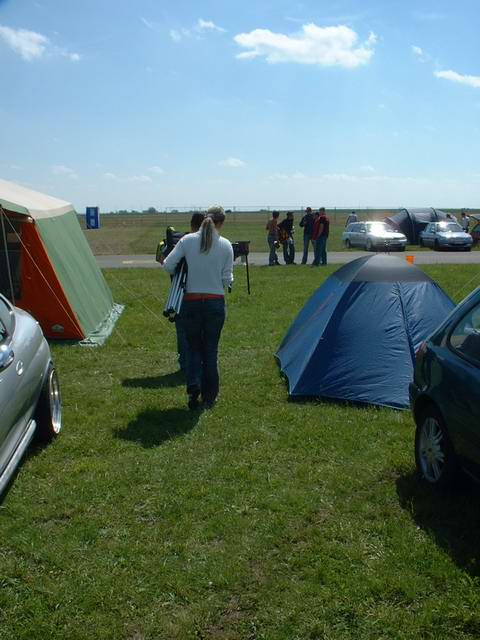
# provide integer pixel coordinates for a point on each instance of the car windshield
(449, 226)
(377, 227)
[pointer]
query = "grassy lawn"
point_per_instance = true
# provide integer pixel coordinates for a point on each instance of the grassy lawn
(140, 234)
(260, 519)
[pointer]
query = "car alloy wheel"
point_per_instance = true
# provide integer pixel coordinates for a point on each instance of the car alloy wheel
(434, 454)
(49, 409)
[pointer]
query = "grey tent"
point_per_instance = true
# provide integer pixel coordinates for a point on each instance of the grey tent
(411, 221)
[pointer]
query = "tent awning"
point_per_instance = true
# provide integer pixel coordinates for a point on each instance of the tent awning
(19, 199)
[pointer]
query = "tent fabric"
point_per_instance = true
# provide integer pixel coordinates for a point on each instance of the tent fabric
(411, 222)
(61, 284)
(355, 338)
(77, 270)
(19, 199)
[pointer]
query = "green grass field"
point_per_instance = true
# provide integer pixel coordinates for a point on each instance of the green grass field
(261, 519)
(140, 234)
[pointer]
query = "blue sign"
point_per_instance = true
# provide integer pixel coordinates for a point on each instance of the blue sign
(92, 216)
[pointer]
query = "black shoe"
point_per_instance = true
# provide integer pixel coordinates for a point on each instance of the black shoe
(193, 396)
(209, 404)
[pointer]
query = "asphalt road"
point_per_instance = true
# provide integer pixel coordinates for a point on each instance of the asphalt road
(334, 257)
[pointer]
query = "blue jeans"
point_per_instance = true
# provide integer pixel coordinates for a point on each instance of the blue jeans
(272, 258)
(288, 252)
(320, 251)
(306, 243)
(203, 321)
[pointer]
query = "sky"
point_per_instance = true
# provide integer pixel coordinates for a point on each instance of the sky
(133, 104)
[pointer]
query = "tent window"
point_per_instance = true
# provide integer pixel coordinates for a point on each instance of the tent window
(12, 253)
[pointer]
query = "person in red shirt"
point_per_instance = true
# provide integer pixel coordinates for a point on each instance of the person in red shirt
(321, 228)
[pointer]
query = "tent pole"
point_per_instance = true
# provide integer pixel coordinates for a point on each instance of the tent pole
(2, 215)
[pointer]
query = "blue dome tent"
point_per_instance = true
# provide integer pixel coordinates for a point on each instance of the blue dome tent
(355, 339)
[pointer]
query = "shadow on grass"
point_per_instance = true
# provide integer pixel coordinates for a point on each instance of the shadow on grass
(168, 380)
(451, 518)
(153, 427)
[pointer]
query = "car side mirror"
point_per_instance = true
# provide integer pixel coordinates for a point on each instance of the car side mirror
(6, 356)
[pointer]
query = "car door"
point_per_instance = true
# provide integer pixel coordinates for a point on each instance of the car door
(10, 408)
(361, 234)
(462, 375)
(427, 235)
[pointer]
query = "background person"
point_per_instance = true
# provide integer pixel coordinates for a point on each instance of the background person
(307, 223)
(272, 238)
(352, 217)
(209, 259)
(286, 231)
(465, 221)
(321, 230)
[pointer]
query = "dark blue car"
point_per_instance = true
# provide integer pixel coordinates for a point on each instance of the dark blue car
(445, 397)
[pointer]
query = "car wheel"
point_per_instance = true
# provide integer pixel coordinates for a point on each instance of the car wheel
(369, 246)
(348, 244)
(434, 454)
(48, 414)
(436, 246)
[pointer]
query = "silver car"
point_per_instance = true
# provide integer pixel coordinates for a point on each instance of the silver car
(373, 235)
(29, 391)
(445, 235)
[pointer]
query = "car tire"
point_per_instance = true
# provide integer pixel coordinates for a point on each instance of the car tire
(435, 457)
(348, 244)
(436, 245)
(369, 246)
(48, 414)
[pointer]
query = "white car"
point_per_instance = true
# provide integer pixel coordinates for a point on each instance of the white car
(29, 391)
(372, 236)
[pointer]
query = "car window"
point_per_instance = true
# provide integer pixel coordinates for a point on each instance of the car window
(6, 320)
(465, 338)
(449, 226)
(377, 227)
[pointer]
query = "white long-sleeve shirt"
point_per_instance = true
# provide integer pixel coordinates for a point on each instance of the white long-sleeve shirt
(208, 272)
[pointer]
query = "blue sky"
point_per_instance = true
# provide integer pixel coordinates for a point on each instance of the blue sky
(339, 103)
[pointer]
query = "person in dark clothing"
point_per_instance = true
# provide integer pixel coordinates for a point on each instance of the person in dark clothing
(307, 223)
(321, 230)
(286, 232)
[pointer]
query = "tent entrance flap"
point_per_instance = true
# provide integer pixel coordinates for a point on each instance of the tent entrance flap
(10, 258)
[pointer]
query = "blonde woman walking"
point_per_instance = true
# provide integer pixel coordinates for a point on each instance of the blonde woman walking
(209, 258)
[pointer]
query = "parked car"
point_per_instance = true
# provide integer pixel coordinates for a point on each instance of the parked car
(445, 235)
(445, 397)
(373, 235)
(30, 400)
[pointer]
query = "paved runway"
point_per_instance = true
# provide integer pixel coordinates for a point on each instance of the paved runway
(334, 257)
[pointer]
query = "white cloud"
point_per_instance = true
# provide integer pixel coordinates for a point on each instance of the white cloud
(62, 170)
(157, 170)
(453, 76)
(431, 16)
(420, 54)
(178, 34)
(110, 176)
(232, 162)
(367, 168)
(28, 44)
(418, 51)
(208, 25)
(323, 46)
(140, 179)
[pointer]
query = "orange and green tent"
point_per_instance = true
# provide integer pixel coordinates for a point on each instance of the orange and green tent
(48, 269)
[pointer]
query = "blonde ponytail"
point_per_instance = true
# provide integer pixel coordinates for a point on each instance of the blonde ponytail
(206, 237)
(215, 216)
